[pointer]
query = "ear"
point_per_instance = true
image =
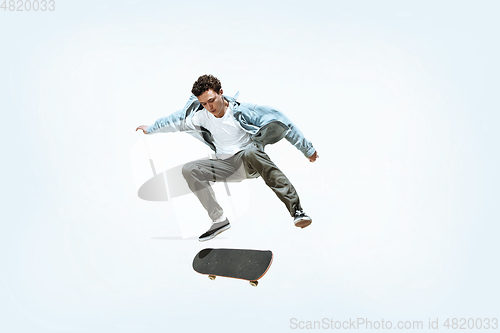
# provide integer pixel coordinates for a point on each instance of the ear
(221, 91)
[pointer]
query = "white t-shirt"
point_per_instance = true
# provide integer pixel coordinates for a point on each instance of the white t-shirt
(228, 135)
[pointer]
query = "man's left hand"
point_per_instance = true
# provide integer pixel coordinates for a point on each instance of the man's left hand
(313, 157)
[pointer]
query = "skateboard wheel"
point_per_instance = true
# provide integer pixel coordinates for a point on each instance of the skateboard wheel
(211, 277)
(254, 283)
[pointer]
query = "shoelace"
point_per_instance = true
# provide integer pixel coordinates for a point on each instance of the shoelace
(299, 212)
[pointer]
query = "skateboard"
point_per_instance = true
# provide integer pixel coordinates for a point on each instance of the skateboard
(248, 265)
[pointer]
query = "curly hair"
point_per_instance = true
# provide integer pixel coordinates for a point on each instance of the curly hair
(204, 83)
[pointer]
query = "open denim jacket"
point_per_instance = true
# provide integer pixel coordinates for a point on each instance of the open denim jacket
(265, 125)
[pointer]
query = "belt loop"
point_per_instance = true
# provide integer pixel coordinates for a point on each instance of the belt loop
(213, 171)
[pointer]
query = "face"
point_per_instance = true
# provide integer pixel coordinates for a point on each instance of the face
(213, 102)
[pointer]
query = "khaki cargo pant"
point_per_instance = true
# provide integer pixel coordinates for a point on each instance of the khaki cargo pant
(251, 162)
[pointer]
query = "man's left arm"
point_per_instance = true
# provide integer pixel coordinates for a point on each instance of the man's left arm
(296, 138)
(294, 134)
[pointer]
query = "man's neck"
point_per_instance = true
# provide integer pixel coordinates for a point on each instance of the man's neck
(226, 105)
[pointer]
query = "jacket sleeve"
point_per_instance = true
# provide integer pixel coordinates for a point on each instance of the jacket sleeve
(177, 121)
(292, 133)
(172, 123)
(296, 138)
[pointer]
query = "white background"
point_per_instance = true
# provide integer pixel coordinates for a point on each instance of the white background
(400, 99)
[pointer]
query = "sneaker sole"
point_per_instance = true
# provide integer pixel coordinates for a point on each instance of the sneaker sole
(303, 223)
(214, 234)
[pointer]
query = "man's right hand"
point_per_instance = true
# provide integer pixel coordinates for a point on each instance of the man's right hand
(144, 128)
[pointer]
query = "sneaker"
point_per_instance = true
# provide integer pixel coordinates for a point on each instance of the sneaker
(215, 229)
(300, 218)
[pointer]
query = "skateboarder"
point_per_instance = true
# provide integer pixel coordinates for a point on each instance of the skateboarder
(238, 133)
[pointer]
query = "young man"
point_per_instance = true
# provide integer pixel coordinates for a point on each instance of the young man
(238, 133)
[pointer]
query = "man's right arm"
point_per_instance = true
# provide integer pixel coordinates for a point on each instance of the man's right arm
(172, 123)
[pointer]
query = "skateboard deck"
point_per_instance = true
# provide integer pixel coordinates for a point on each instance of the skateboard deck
(248, 265)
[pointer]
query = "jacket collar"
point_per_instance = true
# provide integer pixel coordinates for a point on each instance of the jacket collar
(232, 100)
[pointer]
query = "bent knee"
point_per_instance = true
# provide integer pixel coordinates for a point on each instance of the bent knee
(252, 151)
(187, 169)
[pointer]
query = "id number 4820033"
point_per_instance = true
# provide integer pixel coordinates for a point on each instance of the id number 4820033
(28, 5)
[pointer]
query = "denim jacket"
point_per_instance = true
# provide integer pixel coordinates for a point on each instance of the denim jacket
(265, 125)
